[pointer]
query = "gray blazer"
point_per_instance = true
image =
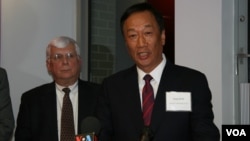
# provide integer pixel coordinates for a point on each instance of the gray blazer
(6, 113)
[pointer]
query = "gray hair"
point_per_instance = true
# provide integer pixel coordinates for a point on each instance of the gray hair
(62, 42)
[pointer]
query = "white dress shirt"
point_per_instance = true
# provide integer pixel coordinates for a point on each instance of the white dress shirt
(156, 74)
(74, 100)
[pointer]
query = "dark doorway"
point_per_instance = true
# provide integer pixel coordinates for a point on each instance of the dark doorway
(166, 7)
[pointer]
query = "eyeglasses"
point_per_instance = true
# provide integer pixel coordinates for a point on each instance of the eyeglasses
(60, 57)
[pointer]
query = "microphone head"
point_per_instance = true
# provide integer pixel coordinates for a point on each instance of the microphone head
(146, 134)
(90, 124)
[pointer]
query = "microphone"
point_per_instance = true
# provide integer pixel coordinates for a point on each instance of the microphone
(90, 128)
(147, 134)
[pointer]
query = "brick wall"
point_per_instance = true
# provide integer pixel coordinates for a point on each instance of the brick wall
(102, 48)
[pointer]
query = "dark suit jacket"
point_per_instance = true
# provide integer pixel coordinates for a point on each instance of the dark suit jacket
(7, 121)
(37, 117)
(121, 115)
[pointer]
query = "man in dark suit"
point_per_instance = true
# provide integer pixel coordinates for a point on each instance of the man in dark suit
(7, 121)
(40, 114)
(181, 108)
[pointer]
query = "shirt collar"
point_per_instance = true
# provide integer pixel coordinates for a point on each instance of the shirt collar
(71, 87)
(155, 73)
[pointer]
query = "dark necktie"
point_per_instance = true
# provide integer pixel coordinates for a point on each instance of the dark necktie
(148, 99)
(67, 119)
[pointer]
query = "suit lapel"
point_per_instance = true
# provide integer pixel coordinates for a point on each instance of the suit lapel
(50, 108)
(86, 102)
(83, 103)
(167, 83)
(133, 98)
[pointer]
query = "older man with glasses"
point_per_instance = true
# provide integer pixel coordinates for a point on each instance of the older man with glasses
(54, 111)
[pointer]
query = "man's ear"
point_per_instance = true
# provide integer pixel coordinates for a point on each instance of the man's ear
(163, 37)
(48, 66)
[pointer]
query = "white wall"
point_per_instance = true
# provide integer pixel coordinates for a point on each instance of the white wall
(198, 43)
(229, 43)
(27, 27)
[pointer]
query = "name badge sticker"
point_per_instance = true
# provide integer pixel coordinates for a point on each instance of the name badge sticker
(178, 101)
